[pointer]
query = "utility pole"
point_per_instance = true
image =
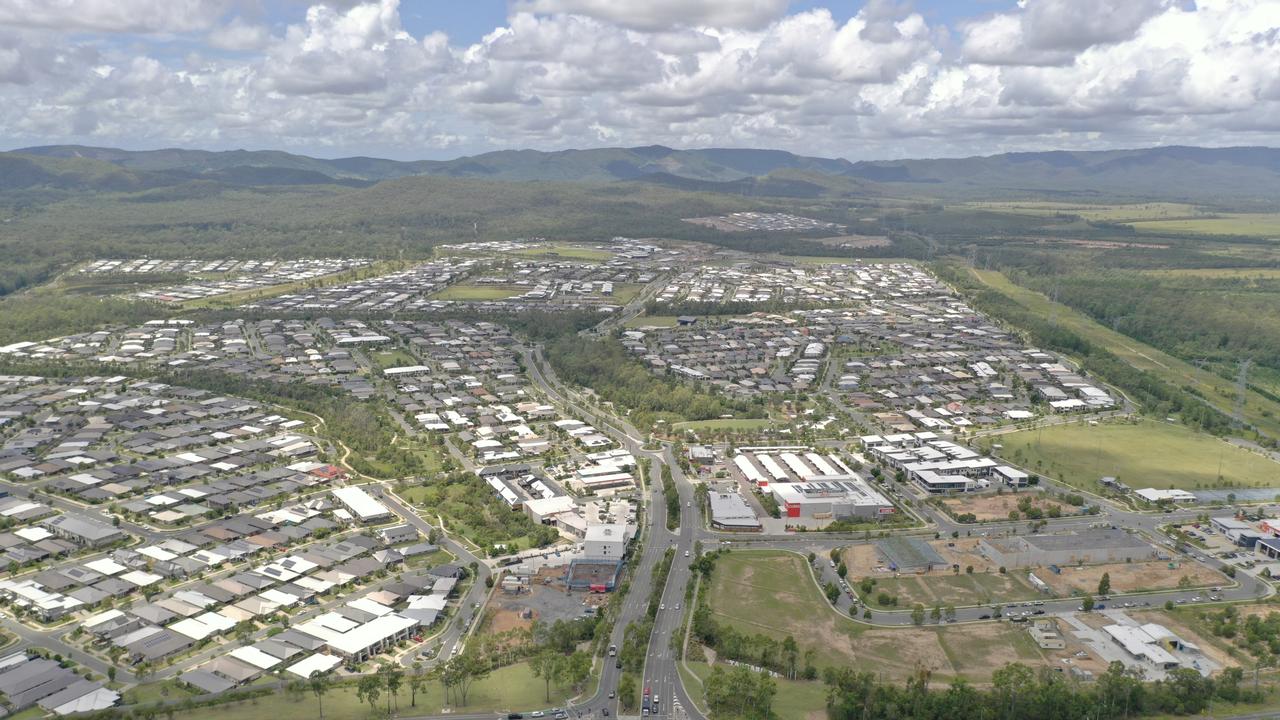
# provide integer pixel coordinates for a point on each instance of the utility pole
(1242, 386)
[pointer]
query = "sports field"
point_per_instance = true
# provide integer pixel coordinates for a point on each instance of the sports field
(479, 292)
(1143, 454)
(772, 593)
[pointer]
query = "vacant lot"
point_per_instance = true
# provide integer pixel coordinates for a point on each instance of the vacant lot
(998, 507)
(384, 359)
(773, 594)
(567, 252)
(651, 321)
(1143, 454)
(464, 291)
(1130, 577)
(984, 586)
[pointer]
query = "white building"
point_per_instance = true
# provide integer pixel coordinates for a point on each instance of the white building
(362, 506)
(605, 542)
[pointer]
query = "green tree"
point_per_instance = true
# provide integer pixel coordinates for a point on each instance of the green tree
(320, 683)
(416, 682)
(1087, 603)
(1104, 584)
(917, 614)
(369, 689)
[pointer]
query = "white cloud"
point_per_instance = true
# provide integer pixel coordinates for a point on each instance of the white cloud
(349, 78)
(114, 16)
(239, 35)
(655, 15)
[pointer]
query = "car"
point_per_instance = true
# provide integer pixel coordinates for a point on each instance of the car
(1128, 604)
(1038, 612)
(605, 712)
(515, 716)
(984, 617)
(662, 606)
(689, 504)
(677, 606)
(536, 714)
(618, 664)
(1182, 601)
(686, 553)
(562, 715)
(612, 694)
(1080, 608)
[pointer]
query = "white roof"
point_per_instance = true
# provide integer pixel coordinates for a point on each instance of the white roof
(317, 663)
(360, 503)
(255, 657)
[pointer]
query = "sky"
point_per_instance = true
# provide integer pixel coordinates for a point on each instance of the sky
(433, 79)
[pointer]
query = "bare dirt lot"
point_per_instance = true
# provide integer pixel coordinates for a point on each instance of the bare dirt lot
(1130, 577)
(998, 507)
(545, 600)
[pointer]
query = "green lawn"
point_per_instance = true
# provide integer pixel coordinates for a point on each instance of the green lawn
(463, 291)
(624, 293)
(156, 691)
(1143, 454)
(510, 688)
(383, 359)
(772, 593)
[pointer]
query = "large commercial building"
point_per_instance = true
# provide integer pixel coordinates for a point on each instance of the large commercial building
(831, 497)
(730, 512)
(1089, 547)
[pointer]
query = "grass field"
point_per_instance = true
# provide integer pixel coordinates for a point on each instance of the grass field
(1144, 454)
(958, 590)
(624, 293)
(383, 359)
(1252, 224)
(463, 291)
(1258, 410)
(651, 321)
(772, 593)
(567, 252)
(507, 689)
(729, 424)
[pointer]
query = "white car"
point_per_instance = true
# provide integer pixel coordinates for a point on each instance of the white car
(662, 606)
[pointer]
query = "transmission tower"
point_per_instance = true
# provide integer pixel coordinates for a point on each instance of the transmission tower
(1242, 386)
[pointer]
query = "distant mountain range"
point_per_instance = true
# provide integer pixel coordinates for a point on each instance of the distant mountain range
(1190, 173)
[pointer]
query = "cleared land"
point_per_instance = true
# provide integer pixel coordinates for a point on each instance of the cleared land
(463, 291)
(1259, 411)
(568, 252)
(651, 321)
(1130, 577)
(998, 507)
(1143, 454)
(984, 586)
(772, 593)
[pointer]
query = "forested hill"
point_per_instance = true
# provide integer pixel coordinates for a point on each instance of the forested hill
(595, 165)
(1168, 173)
